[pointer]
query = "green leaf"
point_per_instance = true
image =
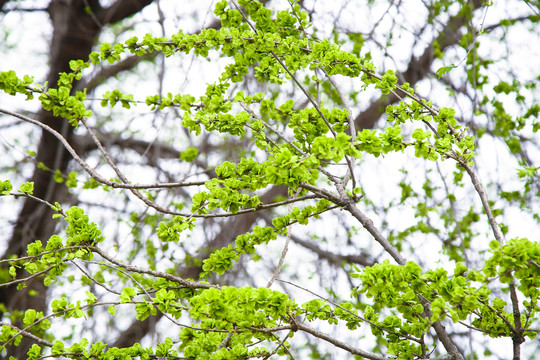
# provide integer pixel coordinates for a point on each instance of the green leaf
(127, 294)
(27, 188)
(12, 271)
(527, 171)
(57, 348)
(443, 70)
(189, 154)
(5, 187)
(30, 316)
(112, 310)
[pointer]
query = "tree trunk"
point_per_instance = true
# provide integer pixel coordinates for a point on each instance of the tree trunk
(74, 34)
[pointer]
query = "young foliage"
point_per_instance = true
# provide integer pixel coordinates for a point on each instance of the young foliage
(307, 145)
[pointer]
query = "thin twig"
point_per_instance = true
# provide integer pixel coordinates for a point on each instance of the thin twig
(352, 126)
(132, 187)
(41, 254)
(454, 216)
(280, 344)
(94, 280)
(170, 277)
(338, 343)
(252, 113)
(142, 288)
(28, 335)
(405, 336)
(306, 93)
(36, 322)
(285, 247)
(85, 166)
(18, 281)
(30, 196)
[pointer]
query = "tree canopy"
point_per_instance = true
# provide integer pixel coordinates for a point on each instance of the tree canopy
(269, 179)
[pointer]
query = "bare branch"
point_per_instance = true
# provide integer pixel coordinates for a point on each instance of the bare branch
(107, 72)
(18, 281)
(30, 196)
(133, 187)
(485, 203)
(94, 280)
(120, 10)
(340, 344)
(352, 128)
(285, 248)
(336, 259)
(418, 68)
(170, 277)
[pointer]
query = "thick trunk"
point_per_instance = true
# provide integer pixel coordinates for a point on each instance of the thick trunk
(74, 33)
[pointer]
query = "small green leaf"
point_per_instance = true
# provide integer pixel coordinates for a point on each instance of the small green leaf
(12, 271)
(112, 310)
(127, 294)
(443, 70)
(5, 187)
(27, 188)
(189, 154)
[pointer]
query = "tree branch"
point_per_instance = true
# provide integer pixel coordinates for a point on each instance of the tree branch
(159, 274)
(107, 72)
(485, 203)
(120, 10)
(417, 69)
(333, 258)
(27, 334)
